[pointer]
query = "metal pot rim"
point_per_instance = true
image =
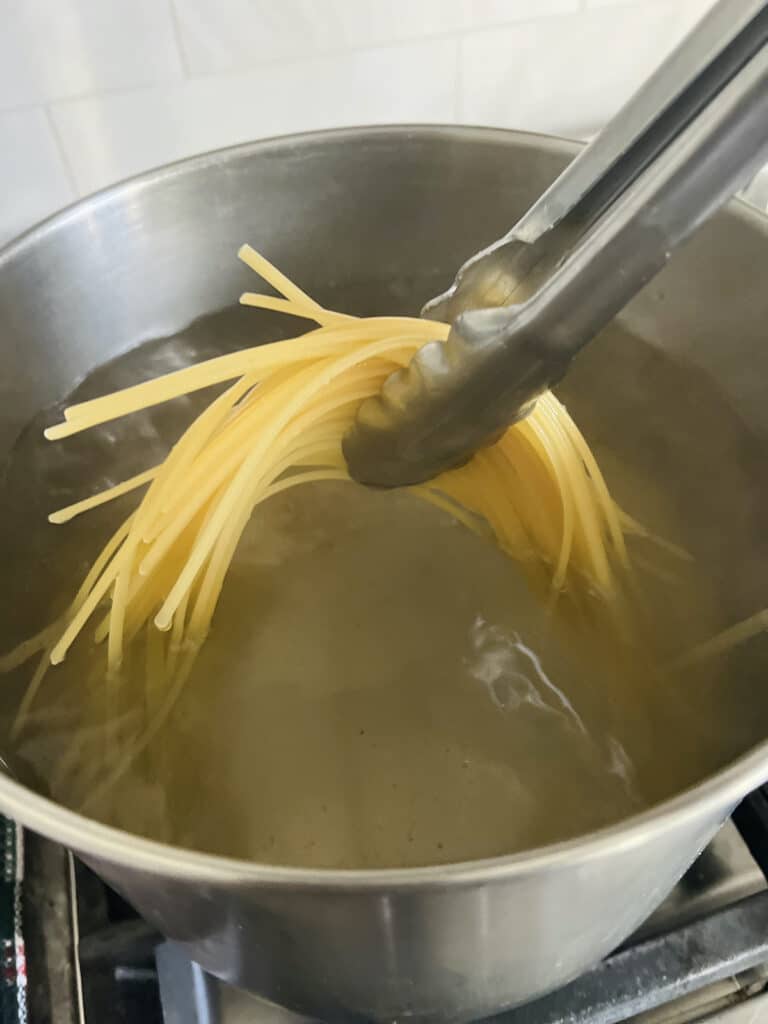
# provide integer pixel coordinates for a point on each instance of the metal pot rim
(111, 844)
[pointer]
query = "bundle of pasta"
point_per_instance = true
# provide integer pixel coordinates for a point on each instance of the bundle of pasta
(279, 424)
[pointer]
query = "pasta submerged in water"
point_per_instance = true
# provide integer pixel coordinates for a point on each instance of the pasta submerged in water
(279, 424)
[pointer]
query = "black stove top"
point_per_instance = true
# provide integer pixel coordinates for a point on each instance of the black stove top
(703, 953)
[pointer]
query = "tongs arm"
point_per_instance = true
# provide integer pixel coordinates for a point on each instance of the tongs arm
(457, 396)
(729, 34)
(510, 269)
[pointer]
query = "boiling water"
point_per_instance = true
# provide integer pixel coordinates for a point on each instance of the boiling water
(379, 687)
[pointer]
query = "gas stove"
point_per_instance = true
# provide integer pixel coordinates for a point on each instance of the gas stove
(702, 956)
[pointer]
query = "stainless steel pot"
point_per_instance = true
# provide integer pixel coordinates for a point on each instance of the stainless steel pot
(386, 214)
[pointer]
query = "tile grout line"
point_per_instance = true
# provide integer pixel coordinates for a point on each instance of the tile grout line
(114, 90)
(458, 86)
(393, 43)
(61, 149)
(188, 75)
(25, 108)
(176, 28)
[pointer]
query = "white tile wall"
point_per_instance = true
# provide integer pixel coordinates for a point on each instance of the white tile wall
(55, 48)
(604, 3)
(243, 33)
(94, 90)
(33, 178)
(109, 136)
(568, 75)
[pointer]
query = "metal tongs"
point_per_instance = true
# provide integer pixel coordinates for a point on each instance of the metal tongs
(523, 308)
